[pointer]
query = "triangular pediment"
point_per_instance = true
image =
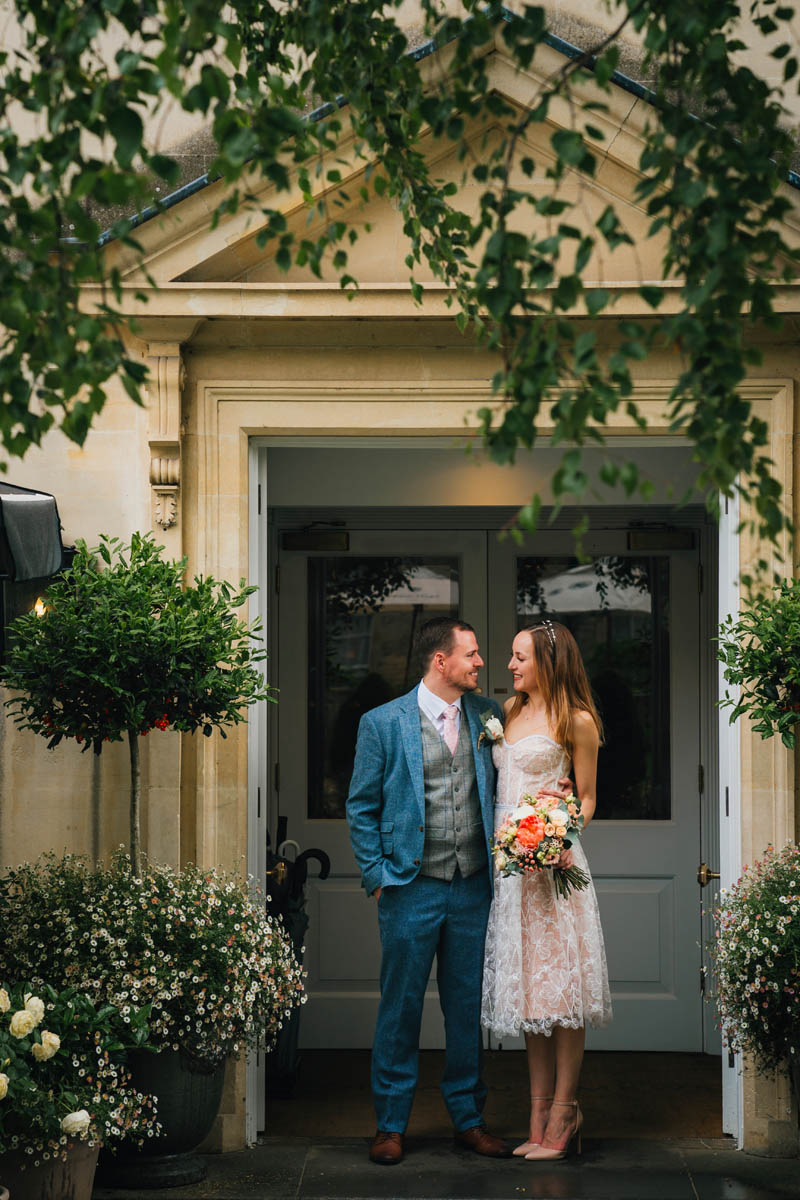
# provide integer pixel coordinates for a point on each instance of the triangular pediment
(181, 246)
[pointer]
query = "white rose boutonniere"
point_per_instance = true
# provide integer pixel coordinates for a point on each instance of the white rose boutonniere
(492, 728)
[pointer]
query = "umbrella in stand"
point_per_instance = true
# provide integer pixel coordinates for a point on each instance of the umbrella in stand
(287, 900)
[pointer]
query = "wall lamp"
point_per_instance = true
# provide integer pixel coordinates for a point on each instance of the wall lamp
(31, 551)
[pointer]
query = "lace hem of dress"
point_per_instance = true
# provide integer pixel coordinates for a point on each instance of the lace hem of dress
(546, 1026)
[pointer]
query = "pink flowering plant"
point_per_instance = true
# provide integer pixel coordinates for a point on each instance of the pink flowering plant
(61, 1073)
(757, 958)
(196, 948)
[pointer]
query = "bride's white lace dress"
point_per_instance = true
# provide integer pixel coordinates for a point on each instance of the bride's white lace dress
(545, 957)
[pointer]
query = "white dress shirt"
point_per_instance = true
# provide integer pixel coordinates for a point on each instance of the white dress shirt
(434, 708)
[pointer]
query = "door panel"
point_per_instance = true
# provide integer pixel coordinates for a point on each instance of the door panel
(636, 620)
(347, 623)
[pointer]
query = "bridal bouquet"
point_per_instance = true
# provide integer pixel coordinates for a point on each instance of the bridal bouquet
(535, 835)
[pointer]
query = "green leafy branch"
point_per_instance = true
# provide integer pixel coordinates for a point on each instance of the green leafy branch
(713, 164)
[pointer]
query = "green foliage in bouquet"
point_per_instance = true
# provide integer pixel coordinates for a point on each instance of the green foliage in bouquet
(757, 958)
(62, 1077)
(760, 650)
(195, 947)
(125, 646)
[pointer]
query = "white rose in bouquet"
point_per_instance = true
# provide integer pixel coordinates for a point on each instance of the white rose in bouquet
(49, 1045)
(558, 817)
(76, 1122)
(22, 1023)
(3, 1085)
(5, 1002)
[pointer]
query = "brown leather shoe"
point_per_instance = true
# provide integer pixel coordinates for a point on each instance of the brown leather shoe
(386, 1148)
(481, 1141)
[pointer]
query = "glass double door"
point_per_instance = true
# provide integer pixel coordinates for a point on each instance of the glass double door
(346, 627)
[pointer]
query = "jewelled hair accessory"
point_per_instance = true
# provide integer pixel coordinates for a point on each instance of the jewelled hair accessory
(550, 631)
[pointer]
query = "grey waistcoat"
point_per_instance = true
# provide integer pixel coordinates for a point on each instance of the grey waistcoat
(454, 834)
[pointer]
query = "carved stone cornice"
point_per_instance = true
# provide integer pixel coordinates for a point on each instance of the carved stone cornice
(165, 388)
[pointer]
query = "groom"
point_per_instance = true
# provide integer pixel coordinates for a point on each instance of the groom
(420, 812)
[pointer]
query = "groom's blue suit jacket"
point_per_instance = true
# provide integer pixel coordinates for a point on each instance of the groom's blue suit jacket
(386, 805)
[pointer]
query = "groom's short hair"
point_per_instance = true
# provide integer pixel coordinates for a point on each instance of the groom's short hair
(437, 634)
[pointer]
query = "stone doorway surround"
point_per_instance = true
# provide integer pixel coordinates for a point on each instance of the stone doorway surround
(240, 351)
(267, 355)
(220, 499)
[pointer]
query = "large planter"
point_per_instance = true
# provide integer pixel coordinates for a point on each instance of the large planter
(71, 1178)
(794, 1071)
(188, 1098)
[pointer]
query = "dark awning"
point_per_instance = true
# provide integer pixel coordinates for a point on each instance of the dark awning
(30, 533)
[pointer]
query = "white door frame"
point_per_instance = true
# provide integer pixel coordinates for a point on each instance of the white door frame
(257, 754)
(729, 763)
(730, 793)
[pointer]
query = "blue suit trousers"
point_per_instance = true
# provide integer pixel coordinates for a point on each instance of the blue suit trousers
(419, 920)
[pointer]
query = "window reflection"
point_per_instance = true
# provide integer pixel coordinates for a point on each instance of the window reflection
(618, 611)
(363, 616)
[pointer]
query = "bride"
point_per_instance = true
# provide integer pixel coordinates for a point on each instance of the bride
(545, 971)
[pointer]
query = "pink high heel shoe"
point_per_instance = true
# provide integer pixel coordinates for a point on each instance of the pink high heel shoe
(546, 1153)
(522, 1151)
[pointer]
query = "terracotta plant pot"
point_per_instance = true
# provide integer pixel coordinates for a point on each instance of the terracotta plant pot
(188, 1099)
(68, 1179)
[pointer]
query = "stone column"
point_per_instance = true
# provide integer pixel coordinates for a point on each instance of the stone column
(768, 788)
(161, 760)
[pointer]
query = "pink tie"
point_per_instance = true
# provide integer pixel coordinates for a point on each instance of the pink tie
(451, 727)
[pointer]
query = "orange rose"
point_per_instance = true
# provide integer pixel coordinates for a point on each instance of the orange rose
(530, 832)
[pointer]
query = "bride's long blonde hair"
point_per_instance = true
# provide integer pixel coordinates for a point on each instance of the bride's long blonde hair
(561, 679)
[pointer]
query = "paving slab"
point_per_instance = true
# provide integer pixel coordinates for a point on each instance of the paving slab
(434, 1169)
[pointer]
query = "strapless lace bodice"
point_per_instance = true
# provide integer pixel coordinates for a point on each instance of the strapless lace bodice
(545, 958)
(525, 767)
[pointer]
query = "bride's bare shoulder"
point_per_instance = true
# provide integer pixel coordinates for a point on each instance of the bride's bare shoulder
(584, 729)
(508, 705)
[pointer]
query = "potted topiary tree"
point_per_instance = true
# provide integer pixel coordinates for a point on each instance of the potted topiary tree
(122, 646)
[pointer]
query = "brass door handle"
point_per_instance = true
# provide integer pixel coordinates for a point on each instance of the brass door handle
(704, 875)
(279, 871)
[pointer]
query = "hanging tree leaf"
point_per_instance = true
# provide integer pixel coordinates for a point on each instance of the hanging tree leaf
(714, 158)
